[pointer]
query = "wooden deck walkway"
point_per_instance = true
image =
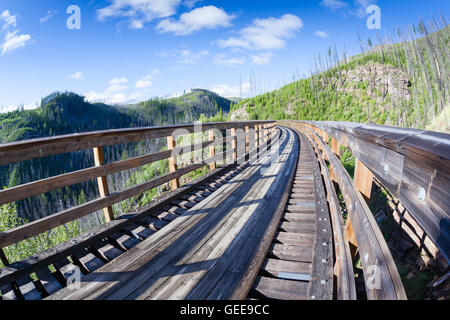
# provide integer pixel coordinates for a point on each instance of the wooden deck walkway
(267, 229)
(299, 263)
(204, 253)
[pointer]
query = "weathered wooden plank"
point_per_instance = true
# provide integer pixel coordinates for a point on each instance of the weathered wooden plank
(36, 148)
(41, 186)
(321, 284)
(28, 290)
(87, 261)
(298, 227)
(102, 183)
(171, 143)
(269, 288)
(244, 285)
(299, 217)
(344, 265)
(274, 267)
(363, 180)
(289, 238)
(385, 151)
(199, 290)
(125, 241)
(38, 226)
(48, 281)
(291, 252)
(134, 258)
(195, 216)
(373, 248)
(107, 251)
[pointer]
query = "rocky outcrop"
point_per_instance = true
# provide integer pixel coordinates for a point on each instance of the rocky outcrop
(379, 80)
(240, 114)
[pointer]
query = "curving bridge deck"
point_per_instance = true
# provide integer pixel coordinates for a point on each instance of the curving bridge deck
(267, 224)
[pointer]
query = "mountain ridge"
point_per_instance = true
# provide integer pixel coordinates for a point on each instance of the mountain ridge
(68, 112)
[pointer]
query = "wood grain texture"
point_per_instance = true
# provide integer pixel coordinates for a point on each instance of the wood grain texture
(42, 147)
(372, 246)
(414, 165)
(102, 183)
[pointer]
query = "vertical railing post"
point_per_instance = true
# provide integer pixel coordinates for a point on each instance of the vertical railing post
(99, 158)
(175, 183)
(256, 139)
(363, 180)
(336, 150)
(335, 147)
(349, 236)
(363, 183)
(3, 258)
(234, 144)
(264, 138)
(247, 141)
(212, 151)
(260, 134)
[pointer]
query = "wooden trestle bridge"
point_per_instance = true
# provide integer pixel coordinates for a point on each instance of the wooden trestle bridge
(266, 222)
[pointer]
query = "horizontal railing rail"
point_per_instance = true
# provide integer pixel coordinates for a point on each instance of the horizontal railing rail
(42, 147)
(250, 134)
(381, 275)
(414, 165)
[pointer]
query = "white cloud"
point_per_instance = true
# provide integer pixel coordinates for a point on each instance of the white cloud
(115, 93)
(12, 40)
(333, 4)
(117, 85)
(208, 17)
(188, 57)
(136, 24)
(76, 76)
(9, 20)
(227, 91)
(48, 15)
(11, 108)
(358, 8)
(116, 98)
(144, 82)
(321, 34)
(361, 6)
(265, 34)
(262, 58)
(191, 3)
(139, 11)
(222, 59)
(184, 56)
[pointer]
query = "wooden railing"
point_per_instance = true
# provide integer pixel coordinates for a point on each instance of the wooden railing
(38, 148)
(413, 165)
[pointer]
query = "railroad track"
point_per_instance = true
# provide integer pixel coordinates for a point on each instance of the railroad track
(299, 263)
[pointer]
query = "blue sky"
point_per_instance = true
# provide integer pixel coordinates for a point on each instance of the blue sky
(132, 50)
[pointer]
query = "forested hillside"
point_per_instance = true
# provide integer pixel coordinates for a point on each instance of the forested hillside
(65, 113)
(404, 84)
